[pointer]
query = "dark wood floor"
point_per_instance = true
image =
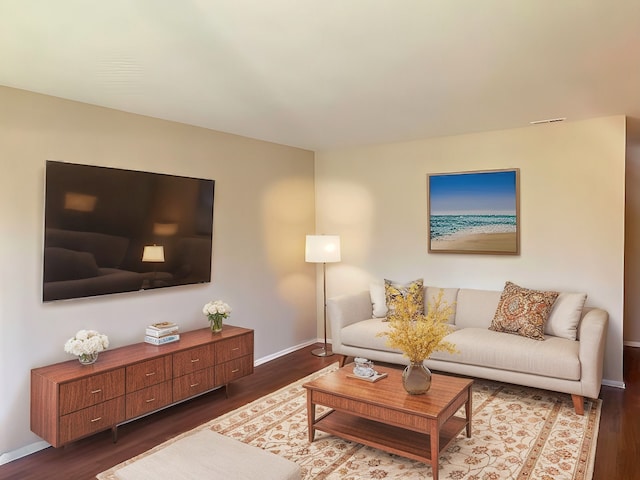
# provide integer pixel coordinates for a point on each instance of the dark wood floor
(617, 456)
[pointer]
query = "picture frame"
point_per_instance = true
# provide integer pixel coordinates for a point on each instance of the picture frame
(474, 212)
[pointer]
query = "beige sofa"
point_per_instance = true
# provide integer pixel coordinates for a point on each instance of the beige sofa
(568, 360)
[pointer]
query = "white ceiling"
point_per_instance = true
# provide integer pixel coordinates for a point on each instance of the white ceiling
(324, 74)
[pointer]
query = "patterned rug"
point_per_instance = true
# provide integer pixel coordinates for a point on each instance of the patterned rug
(518, 433)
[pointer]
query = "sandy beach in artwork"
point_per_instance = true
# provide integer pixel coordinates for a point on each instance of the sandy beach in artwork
(484, 242)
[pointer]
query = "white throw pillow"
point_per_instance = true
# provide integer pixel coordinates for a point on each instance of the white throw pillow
(565, 315)
(378, 299)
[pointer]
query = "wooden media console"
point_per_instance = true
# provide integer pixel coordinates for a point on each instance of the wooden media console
(70, 401)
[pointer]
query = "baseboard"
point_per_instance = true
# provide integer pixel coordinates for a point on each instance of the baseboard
(611, 383)
(23, 452)
(631, 344)
(284, 352)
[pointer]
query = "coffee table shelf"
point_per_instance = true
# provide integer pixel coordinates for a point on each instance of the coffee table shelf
(400, 441)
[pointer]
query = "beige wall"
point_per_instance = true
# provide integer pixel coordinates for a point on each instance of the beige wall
(632, 246)
(264, 206)
(572, 212)
(572, 187)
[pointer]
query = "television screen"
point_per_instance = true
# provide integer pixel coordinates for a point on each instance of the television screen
(109, 230)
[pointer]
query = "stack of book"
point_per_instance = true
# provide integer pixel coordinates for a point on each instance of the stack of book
(161, 333)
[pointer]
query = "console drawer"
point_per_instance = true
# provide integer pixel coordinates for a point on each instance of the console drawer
(234, 348)
(234, 369)
(92, 419)
(91, 390)
(145, 374)
(193, 384)
(193, 359)
(148, 399)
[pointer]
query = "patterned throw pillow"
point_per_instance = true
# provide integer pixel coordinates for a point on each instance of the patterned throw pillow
(413, 291)
(522, 311)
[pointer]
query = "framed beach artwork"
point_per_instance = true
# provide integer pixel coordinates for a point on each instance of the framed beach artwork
(474, 212)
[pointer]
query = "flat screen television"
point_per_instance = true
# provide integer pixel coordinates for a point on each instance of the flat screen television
(110, 230)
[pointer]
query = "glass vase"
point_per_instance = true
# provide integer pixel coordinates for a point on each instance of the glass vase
(88, 358)
(416, 378)
(215, 323)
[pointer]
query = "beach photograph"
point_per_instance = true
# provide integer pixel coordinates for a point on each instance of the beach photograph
(474, 212)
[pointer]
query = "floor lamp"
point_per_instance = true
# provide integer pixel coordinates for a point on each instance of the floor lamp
(323, 249)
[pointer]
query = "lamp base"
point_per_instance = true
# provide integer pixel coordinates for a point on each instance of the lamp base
(322, 352)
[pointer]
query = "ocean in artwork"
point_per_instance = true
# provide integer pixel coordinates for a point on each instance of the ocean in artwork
(450, 227)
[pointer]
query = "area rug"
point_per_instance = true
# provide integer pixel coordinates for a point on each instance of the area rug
(518, 433)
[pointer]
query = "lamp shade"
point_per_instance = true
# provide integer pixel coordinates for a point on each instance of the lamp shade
(153, 253)
(79, 202)
(165, 229)
(322, 249)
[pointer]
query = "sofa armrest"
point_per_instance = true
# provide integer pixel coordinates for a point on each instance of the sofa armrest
(345, 310)
(592, 334)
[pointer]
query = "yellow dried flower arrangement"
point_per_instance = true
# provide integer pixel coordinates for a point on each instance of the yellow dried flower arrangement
(418, 335)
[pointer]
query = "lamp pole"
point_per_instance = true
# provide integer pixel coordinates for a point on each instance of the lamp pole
(324, 351)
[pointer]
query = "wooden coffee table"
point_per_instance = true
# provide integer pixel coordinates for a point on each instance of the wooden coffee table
(382, 415)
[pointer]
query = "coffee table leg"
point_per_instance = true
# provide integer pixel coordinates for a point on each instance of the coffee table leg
(435, 449)
(311, 417)
(467, 407)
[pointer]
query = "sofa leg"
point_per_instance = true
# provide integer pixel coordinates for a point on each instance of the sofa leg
(578, 404)
(343, 361)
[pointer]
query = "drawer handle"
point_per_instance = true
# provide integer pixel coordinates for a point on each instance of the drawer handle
(237, 348)
(150, 400)
(96, 391)
(194, 384)
(149, 374)
(235, 371)
(96, 419)
(195, 360)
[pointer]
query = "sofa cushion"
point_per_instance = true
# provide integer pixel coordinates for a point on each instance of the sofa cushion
(412, 291)
(553, 357)
(523, 311)
(476, 308)
(449, 296)
(364, 334)
(565, 315)
(379, 301)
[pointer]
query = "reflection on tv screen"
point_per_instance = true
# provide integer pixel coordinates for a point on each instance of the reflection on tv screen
(110, 230)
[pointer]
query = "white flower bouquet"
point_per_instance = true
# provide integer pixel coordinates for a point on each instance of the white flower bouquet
(216, 311)
(86, 344)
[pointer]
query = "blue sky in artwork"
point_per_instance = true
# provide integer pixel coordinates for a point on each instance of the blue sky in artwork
(487, 193)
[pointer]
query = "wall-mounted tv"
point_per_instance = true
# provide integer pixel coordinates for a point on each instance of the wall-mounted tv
(110, 230)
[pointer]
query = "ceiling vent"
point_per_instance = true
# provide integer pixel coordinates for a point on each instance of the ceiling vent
(549, 120)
